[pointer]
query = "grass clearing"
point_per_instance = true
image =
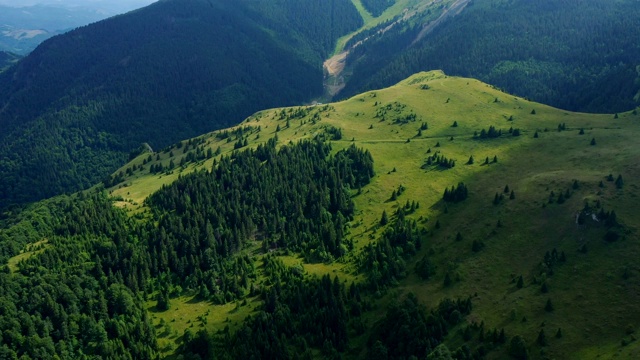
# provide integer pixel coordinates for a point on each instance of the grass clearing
(29, 251)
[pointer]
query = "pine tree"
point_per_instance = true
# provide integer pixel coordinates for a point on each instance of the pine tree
(544, 289)
(384, 220)
(581, 131)
(447, 280)
(506, 189)
(520, 283)
(593, 141)
(535, 135)
(549, 306)
(559, 333)
(470, 162)
(512, 195)
(542, 339)
(619, 182)
(518, 348)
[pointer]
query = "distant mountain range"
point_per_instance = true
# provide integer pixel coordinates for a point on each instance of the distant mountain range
(25, 25)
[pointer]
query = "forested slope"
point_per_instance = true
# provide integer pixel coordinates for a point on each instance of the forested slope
(75, 107)
(376, 227)
(575, 55)
(6, 59)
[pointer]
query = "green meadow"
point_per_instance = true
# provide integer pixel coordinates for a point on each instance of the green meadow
(485, 243)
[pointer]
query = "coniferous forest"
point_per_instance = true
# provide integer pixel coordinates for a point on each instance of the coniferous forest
(172, 186)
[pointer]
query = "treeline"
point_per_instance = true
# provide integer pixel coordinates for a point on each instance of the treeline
(572, 55)
(66, 125)
(377, 7)
(408, 330)
(299, 314)
(384, 262)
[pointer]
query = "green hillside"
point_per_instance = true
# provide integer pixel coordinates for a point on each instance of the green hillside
(74, 109)
(580, 56)
(7, 59)
(450, 212)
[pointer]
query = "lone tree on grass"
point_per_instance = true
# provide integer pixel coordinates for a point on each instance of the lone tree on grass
(549, 306)
(470, 162)
(384, 220)
(542, 339)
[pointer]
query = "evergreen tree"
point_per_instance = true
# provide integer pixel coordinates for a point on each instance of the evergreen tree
(520, 282)
(619, 182)
(518, 348)
(384, 220)
(542, 339)
(548, 306)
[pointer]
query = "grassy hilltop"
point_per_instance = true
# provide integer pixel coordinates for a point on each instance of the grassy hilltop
(490, 246)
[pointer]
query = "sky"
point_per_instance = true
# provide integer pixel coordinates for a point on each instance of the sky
(113, 6)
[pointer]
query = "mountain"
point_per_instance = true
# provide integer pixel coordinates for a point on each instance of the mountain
(438, 217)
(76, 107)
(579, 55)
(7, 59)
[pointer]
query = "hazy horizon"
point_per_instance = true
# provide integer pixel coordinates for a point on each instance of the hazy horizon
(115, 6)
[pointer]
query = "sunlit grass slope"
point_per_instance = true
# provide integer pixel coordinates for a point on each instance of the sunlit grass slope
(594, 292)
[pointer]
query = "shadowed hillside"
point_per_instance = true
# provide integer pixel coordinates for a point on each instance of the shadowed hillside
(575, 55)
(75, 107)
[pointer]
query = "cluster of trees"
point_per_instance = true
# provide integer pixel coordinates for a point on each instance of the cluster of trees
(569, 56)
(456, 193)
(408, 330)
(264, 194)
(488, 134)
(384, 262)
(299, 313)
(439, 160)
